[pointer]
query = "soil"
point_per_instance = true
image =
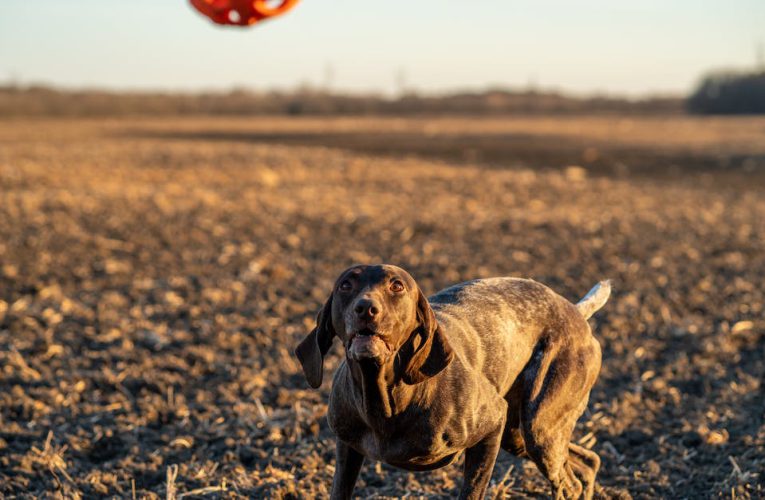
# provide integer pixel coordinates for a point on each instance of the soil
(155, 277)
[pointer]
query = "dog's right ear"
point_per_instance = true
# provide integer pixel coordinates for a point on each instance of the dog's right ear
(311, 351)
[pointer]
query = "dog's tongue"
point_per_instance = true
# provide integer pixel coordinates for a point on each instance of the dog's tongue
(364, 340)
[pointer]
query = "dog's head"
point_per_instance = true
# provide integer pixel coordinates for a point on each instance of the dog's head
(381, 316)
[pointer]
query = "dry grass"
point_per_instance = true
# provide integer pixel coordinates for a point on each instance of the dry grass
(153, 284)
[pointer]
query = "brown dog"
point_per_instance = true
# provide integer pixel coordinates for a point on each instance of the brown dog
(489, 363)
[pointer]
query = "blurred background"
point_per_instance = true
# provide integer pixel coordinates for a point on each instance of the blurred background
(103, 57)
(176, 199)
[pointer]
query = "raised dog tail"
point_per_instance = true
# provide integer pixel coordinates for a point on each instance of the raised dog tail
(595, 299)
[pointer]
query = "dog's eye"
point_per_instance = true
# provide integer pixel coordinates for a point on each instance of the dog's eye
(345, 286)
(396, 286)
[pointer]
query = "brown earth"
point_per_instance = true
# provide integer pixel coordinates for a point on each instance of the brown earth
(155, 276)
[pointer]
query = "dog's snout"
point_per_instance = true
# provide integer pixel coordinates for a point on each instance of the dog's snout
(366, 308)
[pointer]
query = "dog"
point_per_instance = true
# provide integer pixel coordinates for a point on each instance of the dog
(483, 365)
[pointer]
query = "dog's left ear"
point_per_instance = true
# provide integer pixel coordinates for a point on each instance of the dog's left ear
(311, 351)
(433, 352)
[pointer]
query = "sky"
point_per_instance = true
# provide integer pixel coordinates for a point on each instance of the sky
(616, 47)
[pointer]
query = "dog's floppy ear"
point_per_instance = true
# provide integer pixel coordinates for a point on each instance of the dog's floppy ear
(430, 351)
(311, 351)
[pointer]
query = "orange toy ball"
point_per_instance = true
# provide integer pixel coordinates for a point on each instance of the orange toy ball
(241, 12)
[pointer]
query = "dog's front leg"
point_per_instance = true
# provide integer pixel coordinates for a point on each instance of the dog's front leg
(347, 466)
(479, 463)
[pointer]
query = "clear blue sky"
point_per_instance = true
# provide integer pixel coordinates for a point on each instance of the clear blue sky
(624, 47)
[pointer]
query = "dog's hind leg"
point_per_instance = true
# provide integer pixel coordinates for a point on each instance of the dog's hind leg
(557, 385)
(585, 465)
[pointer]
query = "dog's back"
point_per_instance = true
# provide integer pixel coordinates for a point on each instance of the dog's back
(494, 324)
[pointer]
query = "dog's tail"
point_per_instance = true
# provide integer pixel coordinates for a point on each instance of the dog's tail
(595, 299)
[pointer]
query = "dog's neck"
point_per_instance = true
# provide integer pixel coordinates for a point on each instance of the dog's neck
(381, 390)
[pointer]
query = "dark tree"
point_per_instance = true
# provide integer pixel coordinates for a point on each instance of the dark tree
(729, 93)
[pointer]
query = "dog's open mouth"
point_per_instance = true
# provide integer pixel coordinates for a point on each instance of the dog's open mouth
(366, 343)
(366, 332)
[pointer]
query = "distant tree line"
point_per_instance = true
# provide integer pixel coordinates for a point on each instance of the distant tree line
(46, 101)
(729, 93)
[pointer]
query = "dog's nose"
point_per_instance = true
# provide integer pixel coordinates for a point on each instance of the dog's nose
(366, 307)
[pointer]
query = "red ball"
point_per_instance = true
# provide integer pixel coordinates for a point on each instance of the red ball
(241, 12)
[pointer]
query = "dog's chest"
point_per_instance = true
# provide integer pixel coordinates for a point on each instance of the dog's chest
(403, 441)
(422, 451)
